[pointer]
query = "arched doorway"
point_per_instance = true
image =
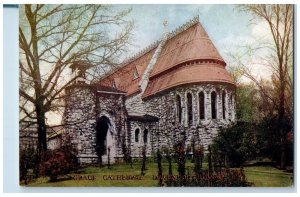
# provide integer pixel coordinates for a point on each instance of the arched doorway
(102, 128)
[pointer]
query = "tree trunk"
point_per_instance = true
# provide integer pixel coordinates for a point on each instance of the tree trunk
(281, 121)
(282, 154)
(42, 135)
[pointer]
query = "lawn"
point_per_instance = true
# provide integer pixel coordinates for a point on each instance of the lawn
(260, 176)
(268, 176)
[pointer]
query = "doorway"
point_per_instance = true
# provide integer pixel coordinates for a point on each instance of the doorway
(102, 127)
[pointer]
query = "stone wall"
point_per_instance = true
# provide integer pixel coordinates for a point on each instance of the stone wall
(80, 119)
(84, 107)
(200, 131)
(54, 142)
(112, 106)
(137, 147)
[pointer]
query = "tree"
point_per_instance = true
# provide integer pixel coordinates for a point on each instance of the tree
(247, 103)
(54, 37)
(279, 19)
(235, 145)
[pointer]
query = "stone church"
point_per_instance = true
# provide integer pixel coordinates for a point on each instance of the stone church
(177, 89)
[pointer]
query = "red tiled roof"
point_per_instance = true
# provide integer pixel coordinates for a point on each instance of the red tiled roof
(190, 44)
(96, 87)
(195, 73)
(123, 77)
(188, 57)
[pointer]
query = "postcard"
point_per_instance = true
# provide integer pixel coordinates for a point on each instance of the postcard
(156, 95)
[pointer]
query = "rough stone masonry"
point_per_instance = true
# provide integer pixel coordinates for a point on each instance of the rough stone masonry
(177, 90)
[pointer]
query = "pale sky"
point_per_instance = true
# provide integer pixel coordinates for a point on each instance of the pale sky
(220, 21)
(228, 28)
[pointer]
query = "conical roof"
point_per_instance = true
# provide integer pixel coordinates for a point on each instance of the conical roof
(187, 57)
(191, 44)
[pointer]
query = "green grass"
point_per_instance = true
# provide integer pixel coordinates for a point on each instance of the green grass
(268, 176)
(260, 176)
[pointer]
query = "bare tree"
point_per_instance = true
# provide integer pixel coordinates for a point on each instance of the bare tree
(279, 19)
(54, 37)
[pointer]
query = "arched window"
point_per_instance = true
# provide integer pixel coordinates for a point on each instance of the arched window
(137, 135)
(189, 108)
(178, 105)
(213, 105)
(223, 104)
(201, 106)
(146, 136)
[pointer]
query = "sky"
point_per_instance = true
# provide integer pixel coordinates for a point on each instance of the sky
(228, 28)
(220, 21)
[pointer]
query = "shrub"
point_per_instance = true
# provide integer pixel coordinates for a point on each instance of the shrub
(126, 152)
(180, 154)
(29, 160)
(159, 157)
(59, 162)
(234, 145)
(143, 161)
(273, 140)
(198, 157)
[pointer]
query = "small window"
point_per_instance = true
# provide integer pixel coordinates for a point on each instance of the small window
(146, 136)
(178, 107)
(137, 135)
(190, 108)
(223, 104)
(135, 73)
(213, 105)
(201, 106)
(113, 84)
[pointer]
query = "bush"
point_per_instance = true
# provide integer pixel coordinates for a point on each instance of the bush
(272, 140)
(29, 161)
(235, 145)
(59, 162)
(160, 183)
(198, 159)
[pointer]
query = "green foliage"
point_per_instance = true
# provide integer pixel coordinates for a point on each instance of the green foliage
(198, 159)
(246, 105)
(234, 145)
(270, 140)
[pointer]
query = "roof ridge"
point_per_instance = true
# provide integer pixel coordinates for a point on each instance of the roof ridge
(142, 52)
(178, 30)
(134, 57)
(175, 32)
(183, 27)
